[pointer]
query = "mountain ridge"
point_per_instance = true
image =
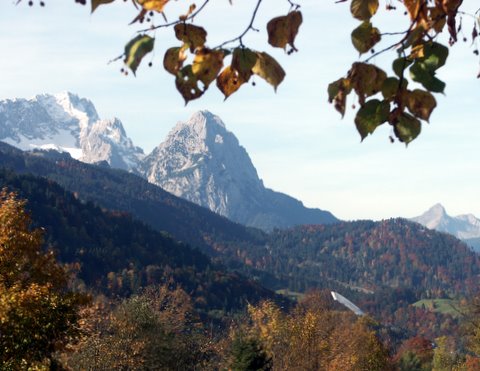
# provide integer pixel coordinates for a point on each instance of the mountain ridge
(200, 160)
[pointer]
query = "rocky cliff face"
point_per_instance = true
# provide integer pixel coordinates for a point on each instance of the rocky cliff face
(203, 162)
(67, 123)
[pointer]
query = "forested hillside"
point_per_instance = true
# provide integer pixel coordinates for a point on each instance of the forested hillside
(119, 255)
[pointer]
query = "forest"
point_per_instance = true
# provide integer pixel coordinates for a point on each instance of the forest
(115, 292)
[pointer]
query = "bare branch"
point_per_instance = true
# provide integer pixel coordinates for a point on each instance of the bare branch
(250, 27)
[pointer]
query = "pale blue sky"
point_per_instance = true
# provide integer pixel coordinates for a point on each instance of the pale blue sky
(297, 141)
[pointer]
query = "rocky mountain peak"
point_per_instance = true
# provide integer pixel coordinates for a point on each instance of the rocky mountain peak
(202, 161)
(68, 123)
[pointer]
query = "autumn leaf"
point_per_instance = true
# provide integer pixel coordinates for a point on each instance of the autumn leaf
(413, 7)
(173, 59)
(97, 3)
(283, 30)
(136, 49)
(268, 69)
(187, 84)
(337, 94)
(366, 79)
(364, 9)
(407, 128)
(229, 81)
(421, 103)
(153, 5)
(364, 37)
(243, 61)
(372, 114)
(193, 36)
(391, 86)
(207, 64)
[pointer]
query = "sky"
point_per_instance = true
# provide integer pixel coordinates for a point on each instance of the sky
(297, 141)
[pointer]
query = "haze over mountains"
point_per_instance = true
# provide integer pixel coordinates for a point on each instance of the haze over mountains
(200, 160)
(465, 227)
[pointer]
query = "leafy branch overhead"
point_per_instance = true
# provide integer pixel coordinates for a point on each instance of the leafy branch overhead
(404, 98)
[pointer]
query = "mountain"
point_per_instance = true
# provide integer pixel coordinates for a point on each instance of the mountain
(465, 227)
(67, 123)
(203, 162)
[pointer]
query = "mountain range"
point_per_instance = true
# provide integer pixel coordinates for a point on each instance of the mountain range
(200, 160)
(465, 227)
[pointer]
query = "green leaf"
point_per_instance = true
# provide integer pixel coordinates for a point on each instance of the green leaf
(371, 115)
(136, 49)
(423, 75)
(407, 128)
(243, 60)
(268, 69)
(400, 65)
(97, 3)
(364, 37)
(421, 103)
(187, 84)
(173, 59)
(435, 56)
(391, 86)
(364, 9)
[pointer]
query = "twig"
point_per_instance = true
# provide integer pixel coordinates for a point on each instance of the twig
(293, 5)
(191, 16)
(250, 27)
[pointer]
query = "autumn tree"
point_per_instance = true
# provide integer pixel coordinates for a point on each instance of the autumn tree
(156, 330)
(404, 98)
(38, 313)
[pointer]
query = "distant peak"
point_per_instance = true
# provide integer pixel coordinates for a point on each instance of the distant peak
(437, 208)
(206, 118)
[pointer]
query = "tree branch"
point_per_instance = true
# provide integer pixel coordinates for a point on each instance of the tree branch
(250, 27)
(191, 16)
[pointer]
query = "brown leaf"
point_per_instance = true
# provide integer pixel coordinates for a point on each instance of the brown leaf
(366, 80)
(283, 30)
(190, 34)
(337, 93)
(421, 103)
(229, 81)
(97, 3)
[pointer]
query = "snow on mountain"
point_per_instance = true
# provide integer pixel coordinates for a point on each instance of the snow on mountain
(203, 162)
(465, 227)
(67, 123)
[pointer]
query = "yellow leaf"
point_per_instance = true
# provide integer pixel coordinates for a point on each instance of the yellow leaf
(190, 34)
(413, 7)
(364, 9)
(283, 30)
(229, 81)
(268, 69)
(173, 59)
(207, 64)
(155, 5)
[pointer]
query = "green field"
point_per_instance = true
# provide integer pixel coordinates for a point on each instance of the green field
(447, 306)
